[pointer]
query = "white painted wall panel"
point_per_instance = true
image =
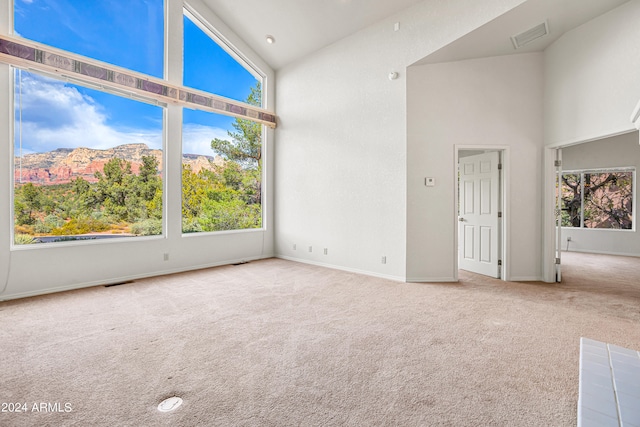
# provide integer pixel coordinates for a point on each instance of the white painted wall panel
(341, 157)
(491, 102)
(591, 78)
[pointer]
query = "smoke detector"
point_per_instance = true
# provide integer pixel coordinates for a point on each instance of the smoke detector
(530, 35)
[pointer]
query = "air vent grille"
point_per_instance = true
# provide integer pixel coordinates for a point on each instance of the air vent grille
(530, 35)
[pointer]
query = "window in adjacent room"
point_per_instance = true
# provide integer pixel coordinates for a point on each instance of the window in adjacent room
(598, 199)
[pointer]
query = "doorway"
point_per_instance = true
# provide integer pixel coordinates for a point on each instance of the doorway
(480, 208)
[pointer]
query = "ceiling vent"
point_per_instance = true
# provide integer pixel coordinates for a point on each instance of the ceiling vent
(530, 35)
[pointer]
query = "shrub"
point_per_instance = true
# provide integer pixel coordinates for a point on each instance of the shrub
(148, 227)
(24, 239)
(41, 227)
(191, 225)
(82, 225)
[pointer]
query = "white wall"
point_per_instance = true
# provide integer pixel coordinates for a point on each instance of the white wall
(591, 89)
(591, 78)
(487, 102)
(46, 268)
(618, 151)
(342, 142)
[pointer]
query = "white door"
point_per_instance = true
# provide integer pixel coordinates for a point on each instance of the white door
(479, 202)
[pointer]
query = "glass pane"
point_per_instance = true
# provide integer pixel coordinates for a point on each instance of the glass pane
(208, 67)
(222, 172)
(87, 164)
(608, 199)
(127, 33)
(571, 200)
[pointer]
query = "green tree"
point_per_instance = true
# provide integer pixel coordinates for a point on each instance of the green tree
(194, 192)
(116, 190)
(28, 201)
(245, 146)
(148, 178)
(245, 149)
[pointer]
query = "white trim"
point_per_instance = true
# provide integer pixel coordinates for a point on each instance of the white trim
(583, 139)
(527, 279)
(624, 169)
(635, 116)
(588, 251)
(432, 280)
(348, 269)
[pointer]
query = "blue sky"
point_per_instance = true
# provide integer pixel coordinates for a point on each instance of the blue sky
(127, 33)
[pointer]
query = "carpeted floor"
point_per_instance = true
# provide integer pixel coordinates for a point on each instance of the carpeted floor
(278, 343)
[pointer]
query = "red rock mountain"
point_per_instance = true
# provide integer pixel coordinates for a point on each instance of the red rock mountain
(65, 164)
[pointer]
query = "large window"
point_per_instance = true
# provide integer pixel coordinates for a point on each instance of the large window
(598, 199)
(222, 156)
(87, 163)
(90, 122)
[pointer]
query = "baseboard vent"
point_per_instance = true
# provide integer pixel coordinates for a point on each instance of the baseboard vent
(530, 35)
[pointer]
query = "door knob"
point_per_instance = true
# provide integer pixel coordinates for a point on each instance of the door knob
(461, 219)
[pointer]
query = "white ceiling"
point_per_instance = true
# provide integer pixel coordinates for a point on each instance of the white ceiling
(494, 38)
(301, 27)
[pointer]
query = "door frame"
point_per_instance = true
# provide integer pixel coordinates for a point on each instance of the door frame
(552, 232)
(504, 227)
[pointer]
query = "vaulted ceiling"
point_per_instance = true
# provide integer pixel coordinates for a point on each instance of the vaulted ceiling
(301, 27)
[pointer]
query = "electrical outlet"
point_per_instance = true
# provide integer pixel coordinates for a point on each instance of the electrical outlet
(569, 239)
(384, 259)
(326, 251)
(166, 256)
(310, 248)
(295, 247)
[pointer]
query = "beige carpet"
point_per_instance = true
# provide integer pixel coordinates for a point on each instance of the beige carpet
(278, 343)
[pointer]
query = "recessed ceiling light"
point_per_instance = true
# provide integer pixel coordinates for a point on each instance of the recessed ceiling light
(271, 39)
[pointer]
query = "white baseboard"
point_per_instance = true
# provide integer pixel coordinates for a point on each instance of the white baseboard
(603, 252)
(431, 280)
(526, 279)
(339, 267)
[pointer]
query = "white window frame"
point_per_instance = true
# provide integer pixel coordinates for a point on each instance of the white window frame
(581, 172)
(173, 79)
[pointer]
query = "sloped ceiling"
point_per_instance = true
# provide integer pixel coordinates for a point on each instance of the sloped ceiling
(301, 27)
(494, 38)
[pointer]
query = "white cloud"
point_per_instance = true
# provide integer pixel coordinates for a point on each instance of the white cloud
(55, 115)
(196, 139)
(59, 116)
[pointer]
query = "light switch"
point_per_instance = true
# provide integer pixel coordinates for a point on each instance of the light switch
(430, 182)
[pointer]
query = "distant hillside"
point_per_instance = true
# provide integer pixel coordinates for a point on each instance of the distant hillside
(65, 164)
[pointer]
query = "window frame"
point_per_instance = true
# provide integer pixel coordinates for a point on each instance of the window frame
(217, 37)
(581, 173)
(265, 117)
